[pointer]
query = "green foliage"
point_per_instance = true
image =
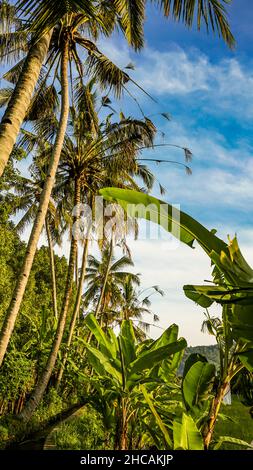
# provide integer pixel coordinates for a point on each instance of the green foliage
(122, 366)
(197, 383)
(4, 435)
(239, 424)
(51, 405)
(242, 385)
(17, 376)
(84, 431)
(159, 421)
(125, 364)
(186, 434)
(232, 275)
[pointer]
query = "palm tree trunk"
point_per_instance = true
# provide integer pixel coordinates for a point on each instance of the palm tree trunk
(76, 269)
(47, 372)
(21, 98)
(19, 291)
(76, 311)
(102, 293)
(52, 267)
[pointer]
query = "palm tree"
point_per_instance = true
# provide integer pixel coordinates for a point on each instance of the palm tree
(105, 279)
(129, 15)
(13, 44)
(134, 305)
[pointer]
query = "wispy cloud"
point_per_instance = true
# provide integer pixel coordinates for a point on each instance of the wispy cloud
(220, 86)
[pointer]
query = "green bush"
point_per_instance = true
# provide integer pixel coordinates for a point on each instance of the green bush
(51, 405)
(238, 424)
(83, 432)
(4, 435)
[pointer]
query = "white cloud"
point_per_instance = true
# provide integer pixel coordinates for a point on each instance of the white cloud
(223, 86)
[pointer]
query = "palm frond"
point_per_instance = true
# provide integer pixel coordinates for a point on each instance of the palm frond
(13, 46)
(43, 16)
(212, 12)
(107, 74)
(131, 18)
(12, 75)
(26, 219)
(8, 17)
(5, 95)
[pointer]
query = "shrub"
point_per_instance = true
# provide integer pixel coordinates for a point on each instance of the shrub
(82, 432)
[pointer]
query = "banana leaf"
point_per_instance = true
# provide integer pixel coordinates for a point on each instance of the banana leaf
(186, 434)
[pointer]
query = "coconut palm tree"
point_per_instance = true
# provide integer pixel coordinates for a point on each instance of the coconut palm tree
(134, 304)
(105, 279)
(22, 280)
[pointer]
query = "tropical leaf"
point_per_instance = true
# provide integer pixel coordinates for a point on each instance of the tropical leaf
(191, 360)
(131, 18)
(210, 12)
(100, 336)
(105, 71)
(158, 419)
(128, 341)
(246, 358)
(181, 225)
(186, 434)
(43, 15)
(197, 383)
(231, 440)
(147, 360)
(170, 335)
(102, 364)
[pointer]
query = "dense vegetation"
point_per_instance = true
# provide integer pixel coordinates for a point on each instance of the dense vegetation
(74, 330)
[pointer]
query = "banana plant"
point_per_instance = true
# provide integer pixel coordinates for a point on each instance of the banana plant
(121, 367)
(184, 428)
(233, 290)
(232, 284)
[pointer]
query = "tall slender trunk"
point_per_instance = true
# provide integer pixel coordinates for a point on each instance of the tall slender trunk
(76, 311)
(76, 268)
(21, 98)
(47, 372)
(102, 293)
(19, 291)
(100, 300)
(52, 267)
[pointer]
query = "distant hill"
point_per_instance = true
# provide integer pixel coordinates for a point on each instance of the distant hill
(210, 352)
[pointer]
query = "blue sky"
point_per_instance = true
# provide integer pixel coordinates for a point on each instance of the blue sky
(208, 90)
